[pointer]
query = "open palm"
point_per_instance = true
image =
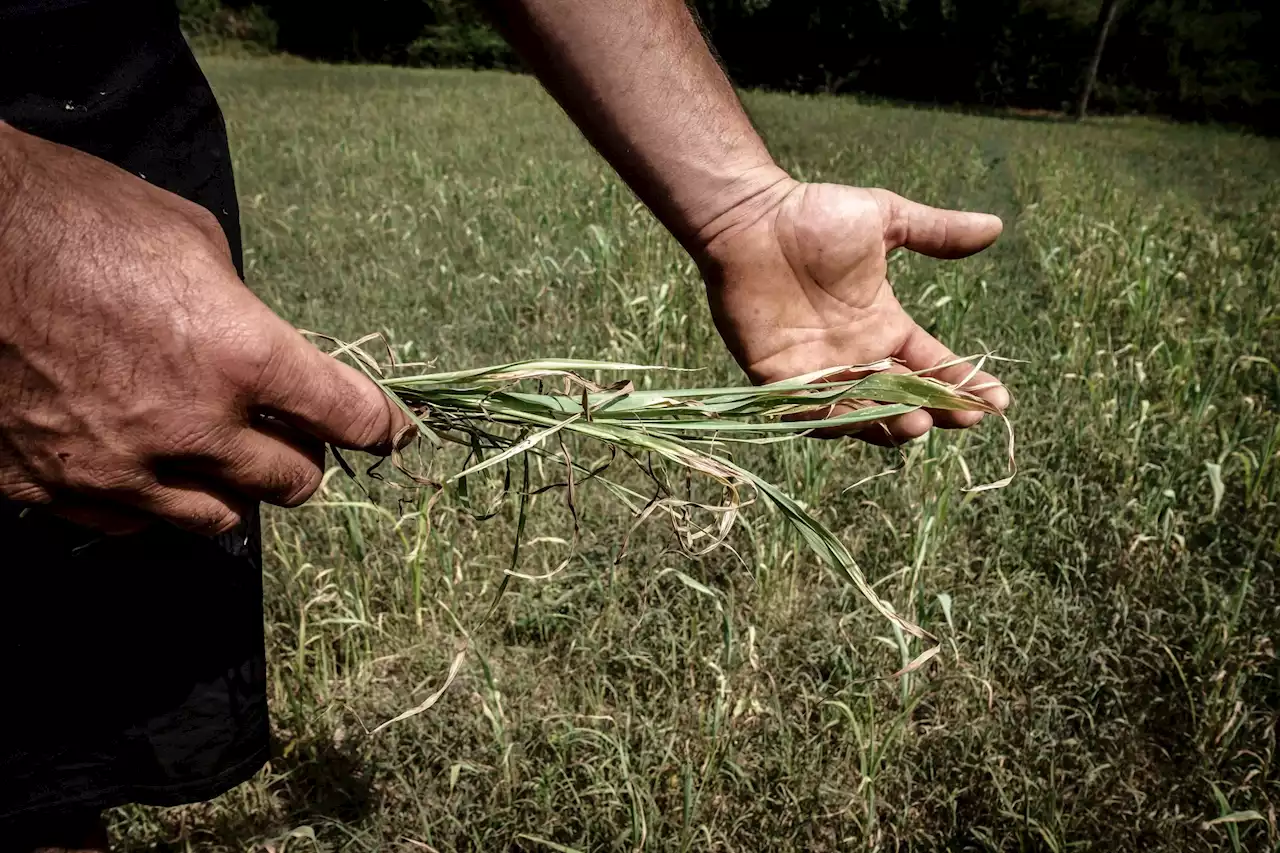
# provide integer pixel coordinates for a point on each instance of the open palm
(802, 286)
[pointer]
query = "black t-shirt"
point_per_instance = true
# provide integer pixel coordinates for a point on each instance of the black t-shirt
(134, 665)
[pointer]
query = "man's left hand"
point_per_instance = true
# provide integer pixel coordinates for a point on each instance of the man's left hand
(797, 282)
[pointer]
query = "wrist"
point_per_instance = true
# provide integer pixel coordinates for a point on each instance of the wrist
(739, 207)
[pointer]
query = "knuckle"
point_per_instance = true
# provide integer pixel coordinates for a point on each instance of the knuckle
(189, 444)
(301, 486)
(204, 220)
(198, 513)
(352, 408)
(213, 521)
(223, 522)
(252, 361)
(369, 423)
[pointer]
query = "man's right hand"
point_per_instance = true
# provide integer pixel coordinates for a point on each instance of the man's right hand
(139, 378)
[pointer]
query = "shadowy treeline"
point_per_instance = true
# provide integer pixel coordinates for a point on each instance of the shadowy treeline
(1189, 59)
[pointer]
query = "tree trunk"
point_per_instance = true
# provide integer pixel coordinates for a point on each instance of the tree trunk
(1106, 17)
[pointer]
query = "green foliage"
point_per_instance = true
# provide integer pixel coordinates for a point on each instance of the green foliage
(210, 22)
(461, 45)
(1186, 58)
(1109, 678)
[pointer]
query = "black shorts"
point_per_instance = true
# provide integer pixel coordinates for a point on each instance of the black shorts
(136, 668)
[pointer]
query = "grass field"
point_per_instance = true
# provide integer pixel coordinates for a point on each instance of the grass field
(1109, 678)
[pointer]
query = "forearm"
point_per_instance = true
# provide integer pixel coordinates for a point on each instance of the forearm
(10, 175)
(12, 155)
(639, 80)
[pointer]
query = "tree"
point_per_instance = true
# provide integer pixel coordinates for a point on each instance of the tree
(1106, 17)
(1202, 60)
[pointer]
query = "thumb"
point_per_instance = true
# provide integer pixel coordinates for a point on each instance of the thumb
(331, 401)
(933, 231)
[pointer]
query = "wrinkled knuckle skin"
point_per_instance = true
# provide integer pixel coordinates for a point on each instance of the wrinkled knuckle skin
(83, 479)
(251, 362)
(225, 524)
(196, 439)
(301, 487)
(214, 524)
(24, 492)
(369, 427)
(196, 515)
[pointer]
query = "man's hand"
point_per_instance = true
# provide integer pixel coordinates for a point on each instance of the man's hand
(795, 273)
(139, 378)
(796, 278)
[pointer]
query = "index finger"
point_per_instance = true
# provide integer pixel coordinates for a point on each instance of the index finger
(922, 352)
